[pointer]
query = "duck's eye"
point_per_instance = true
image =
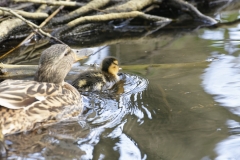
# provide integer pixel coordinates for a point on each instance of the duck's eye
(66, 53)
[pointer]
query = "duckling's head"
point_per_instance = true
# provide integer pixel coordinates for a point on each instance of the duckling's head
(110, 65)
(54, 64)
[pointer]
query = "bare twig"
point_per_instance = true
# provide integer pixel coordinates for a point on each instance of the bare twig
(32, 34)
(131, 5)
(8, 25)
(112, 16)
(26, 14)
(22, 67)
(51, 16)
(92, 5)
(53, 3)
(26, 21)
(22, 6)
(108, 17)
(7, 70)
(194, 12)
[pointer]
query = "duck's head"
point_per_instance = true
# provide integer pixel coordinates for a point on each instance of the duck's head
(110, 65)
(54, 64)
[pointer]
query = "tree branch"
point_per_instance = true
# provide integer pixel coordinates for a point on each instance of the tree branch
(194, 12)
(132, 5)
(53, 3)
(92, 5)
(111, 16)
(25, 14)
(38, 27)
(8, 26)
(26, 21)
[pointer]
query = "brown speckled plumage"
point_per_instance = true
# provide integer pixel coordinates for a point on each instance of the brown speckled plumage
(37, 102)
(25, 104)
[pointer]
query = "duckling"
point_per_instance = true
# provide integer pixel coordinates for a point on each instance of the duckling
(99, 80)
(24, 104)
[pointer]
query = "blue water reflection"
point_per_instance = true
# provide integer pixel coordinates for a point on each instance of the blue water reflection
(127, 148)
(213, 35)
(229, 148)
(222, 38)
(222, 80)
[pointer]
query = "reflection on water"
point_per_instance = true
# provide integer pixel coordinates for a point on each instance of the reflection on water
(222, 79)
(127, 148)
(229, 148)
(224, 38)
(110, 118)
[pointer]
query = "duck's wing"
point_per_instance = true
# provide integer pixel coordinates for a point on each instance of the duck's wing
(17, 94)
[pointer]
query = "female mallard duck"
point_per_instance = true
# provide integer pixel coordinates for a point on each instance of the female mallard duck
(25, 104)
(97, 80)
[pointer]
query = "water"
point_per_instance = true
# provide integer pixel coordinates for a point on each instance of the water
(186, 109)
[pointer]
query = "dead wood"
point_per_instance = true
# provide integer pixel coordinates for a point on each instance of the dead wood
(111, 16)
(26, 21)
(132, 5)
(80, 23)
(191, 10)
(10, 25)
(26, 14)
(103, 11)
(91, 6)
(33, 33)
(53, 3)
(44, 8)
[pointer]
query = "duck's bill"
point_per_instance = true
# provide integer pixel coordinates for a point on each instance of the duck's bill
(77, 58)
(82, 53)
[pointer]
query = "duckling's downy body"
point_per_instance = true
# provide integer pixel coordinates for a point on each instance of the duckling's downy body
(97, 80)
(24, 104)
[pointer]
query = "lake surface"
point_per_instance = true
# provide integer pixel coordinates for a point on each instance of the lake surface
(188, 108)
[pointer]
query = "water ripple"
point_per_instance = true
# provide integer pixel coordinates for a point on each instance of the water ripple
(104, 120)
(111, 115)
